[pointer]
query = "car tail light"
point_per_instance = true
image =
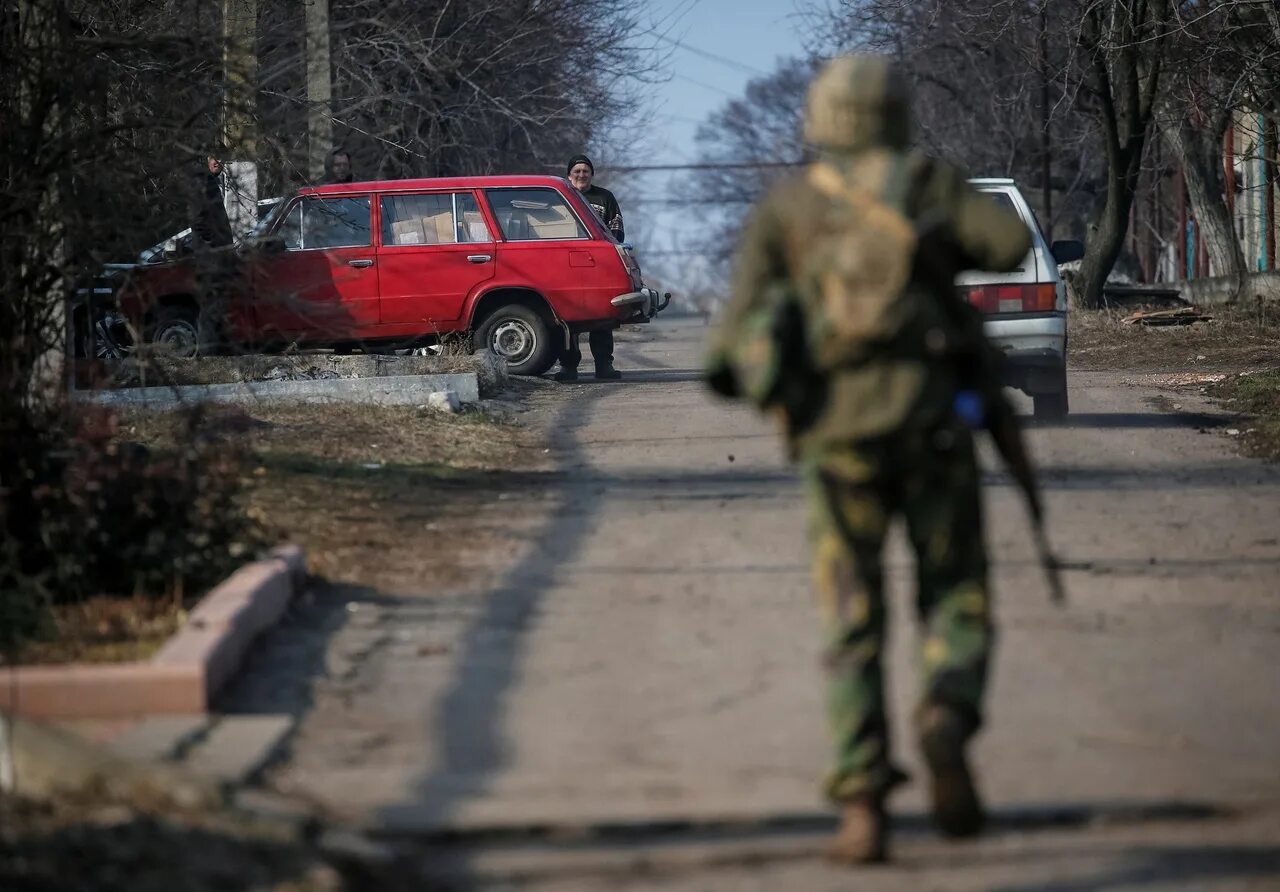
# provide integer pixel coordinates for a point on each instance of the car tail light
(630, 265)
(1040, 298)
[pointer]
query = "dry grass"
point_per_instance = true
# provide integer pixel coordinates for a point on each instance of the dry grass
(105, 630)
(1237, 338)
(1257, 397)
(388, 497)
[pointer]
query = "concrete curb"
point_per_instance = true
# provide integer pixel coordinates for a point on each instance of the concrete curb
(396, 390)
(189, 669)
(38, 760)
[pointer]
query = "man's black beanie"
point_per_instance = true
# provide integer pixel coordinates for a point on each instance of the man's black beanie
(580, 159)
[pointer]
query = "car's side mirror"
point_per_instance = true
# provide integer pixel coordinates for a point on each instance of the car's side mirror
(1067, 251)
(271, 244)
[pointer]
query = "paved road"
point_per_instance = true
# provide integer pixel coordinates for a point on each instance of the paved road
(628, 695)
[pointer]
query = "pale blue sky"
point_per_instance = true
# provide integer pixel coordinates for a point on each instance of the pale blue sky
(750, 36)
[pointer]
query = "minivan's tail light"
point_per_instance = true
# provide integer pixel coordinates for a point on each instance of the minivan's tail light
(1039, 298)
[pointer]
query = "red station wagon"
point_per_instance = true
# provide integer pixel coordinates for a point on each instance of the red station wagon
(518, 261)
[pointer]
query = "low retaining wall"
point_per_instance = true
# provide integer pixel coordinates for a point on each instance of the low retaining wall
(400, 390)
(185, 674)
(1220, 289)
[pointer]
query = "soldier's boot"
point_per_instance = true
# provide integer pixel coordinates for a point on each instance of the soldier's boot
(606, 372)
(957, 810)
(567, 375)
(863, 837)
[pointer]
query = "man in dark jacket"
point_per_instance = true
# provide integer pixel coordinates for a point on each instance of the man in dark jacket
(340, 170)
(580, 173)
(211, 242)
(210, 226)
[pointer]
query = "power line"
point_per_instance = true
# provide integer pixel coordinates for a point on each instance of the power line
(703, 84)
(683, 202)
(714, 57)
(736, 165)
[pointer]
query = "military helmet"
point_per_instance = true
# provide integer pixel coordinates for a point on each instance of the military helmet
(858, 102)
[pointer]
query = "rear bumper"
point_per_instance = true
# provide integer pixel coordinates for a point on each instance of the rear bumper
(642, 305)
(1034, 349)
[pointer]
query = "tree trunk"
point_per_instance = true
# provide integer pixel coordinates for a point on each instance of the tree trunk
(1106, 237)
(1199, 150)
(240, 69)
(319, 89)
(1125, 74)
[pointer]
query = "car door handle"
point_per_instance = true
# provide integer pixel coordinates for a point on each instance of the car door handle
(360, 264)
(479, 258)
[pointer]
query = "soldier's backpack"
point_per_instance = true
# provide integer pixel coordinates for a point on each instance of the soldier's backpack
(858, 262)
(851, 265)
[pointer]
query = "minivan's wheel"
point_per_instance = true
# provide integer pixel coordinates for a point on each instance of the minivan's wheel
(1052, 406)
(521, 336)
(176, 331)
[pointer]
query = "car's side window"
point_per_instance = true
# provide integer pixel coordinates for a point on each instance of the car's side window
(336, 222)
(470, 222)
(327, 223)
(437, 218)
(534, 214)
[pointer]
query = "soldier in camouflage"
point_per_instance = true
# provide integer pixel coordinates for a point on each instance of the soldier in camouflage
(872, 419)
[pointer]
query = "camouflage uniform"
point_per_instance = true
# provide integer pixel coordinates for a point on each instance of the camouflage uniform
(884, 439)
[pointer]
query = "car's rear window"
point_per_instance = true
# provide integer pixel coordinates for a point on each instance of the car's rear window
(1005, 200)
(534, 214)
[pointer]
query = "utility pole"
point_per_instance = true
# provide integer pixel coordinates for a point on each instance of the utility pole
(1046, 133)
(240, 70)
(319, 88)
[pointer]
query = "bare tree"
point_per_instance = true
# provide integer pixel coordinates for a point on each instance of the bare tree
(433, 87)
(763, 128)
(1122, 44)
(1197, 103)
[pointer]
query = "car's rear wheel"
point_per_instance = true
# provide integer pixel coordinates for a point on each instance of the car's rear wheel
(521, 336)
(176, 331)
(1052, 406)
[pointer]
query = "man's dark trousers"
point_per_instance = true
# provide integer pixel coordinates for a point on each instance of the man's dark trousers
(601, 341)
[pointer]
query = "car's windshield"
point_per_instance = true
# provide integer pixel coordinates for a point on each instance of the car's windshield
(273, 207)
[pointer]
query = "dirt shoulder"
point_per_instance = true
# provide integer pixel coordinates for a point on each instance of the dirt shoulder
(1236, 339)
(1234, 358)
(380, 496)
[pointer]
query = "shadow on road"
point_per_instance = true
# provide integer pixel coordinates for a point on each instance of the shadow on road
(1164, 866)
(1134, 420)
(618, 850)
(1117, 479)
(468, 723)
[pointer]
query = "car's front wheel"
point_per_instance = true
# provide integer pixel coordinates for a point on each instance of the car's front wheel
(521, 336)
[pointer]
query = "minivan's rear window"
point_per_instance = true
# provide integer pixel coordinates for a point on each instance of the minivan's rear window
(1005, 200)
(534, 214)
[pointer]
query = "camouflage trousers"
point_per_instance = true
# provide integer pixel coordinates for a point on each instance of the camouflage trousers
(855, 491)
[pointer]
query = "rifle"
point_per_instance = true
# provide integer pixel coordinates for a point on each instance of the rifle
(978, 365)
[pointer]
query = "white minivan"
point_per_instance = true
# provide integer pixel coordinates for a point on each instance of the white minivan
(1026, 309)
